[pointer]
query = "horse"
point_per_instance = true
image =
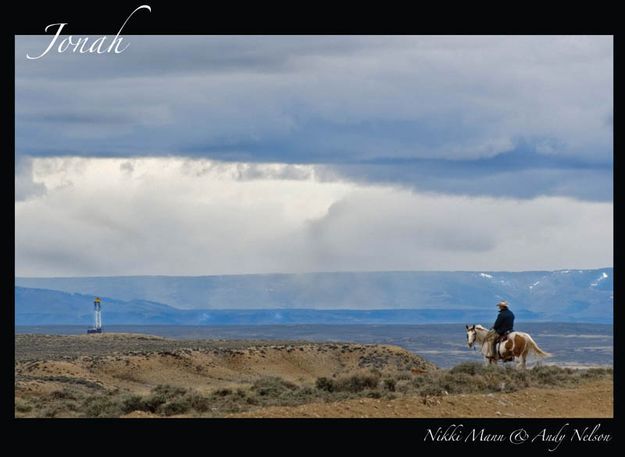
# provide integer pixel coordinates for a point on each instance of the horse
(516, 347)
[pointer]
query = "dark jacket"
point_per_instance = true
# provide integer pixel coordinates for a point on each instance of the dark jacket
(504, 322)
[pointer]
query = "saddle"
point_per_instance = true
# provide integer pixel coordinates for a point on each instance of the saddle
(499, 340)
(503, 337)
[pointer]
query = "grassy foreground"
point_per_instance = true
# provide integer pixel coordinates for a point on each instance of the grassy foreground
(76, 399)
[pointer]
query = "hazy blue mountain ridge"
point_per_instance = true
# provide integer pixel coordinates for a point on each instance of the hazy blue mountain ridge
(376, 297)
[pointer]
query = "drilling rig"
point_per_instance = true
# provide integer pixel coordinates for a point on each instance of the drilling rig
(97, 315)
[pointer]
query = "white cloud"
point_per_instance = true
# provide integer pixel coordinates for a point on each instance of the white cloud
(25, 186)
(194, 217)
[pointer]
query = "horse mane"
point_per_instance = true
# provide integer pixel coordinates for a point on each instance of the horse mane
(481, 327)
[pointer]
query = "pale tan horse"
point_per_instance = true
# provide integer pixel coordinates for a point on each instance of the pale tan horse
(517, 346)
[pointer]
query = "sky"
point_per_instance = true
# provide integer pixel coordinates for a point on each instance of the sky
(198, 155)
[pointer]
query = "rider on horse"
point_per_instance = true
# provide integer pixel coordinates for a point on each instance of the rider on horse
(502, 326)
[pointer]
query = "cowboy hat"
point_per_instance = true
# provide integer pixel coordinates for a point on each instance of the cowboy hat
(503, 303)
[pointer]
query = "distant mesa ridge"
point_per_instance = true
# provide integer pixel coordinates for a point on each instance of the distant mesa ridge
(342, 298)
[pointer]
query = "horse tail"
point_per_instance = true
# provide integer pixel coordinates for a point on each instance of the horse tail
(537, 350)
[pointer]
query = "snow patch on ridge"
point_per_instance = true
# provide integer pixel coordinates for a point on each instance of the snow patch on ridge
(599, 279)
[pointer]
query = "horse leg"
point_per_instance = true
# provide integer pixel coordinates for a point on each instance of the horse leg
(524, 357)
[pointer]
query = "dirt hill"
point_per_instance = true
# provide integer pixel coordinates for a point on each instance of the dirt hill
(50, 362)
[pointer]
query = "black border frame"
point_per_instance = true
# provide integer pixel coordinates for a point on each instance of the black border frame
(260, 18)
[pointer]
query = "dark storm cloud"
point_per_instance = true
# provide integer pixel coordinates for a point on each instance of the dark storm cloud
(521, 173)
(512, 116)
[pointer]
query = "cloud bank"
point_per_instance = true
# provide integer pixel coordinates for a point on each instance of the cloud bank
(253, 154)
(448, 114)
(197, 217)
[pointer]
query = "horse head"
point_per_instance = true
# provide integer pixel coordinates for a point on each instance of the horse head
(471, 335)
